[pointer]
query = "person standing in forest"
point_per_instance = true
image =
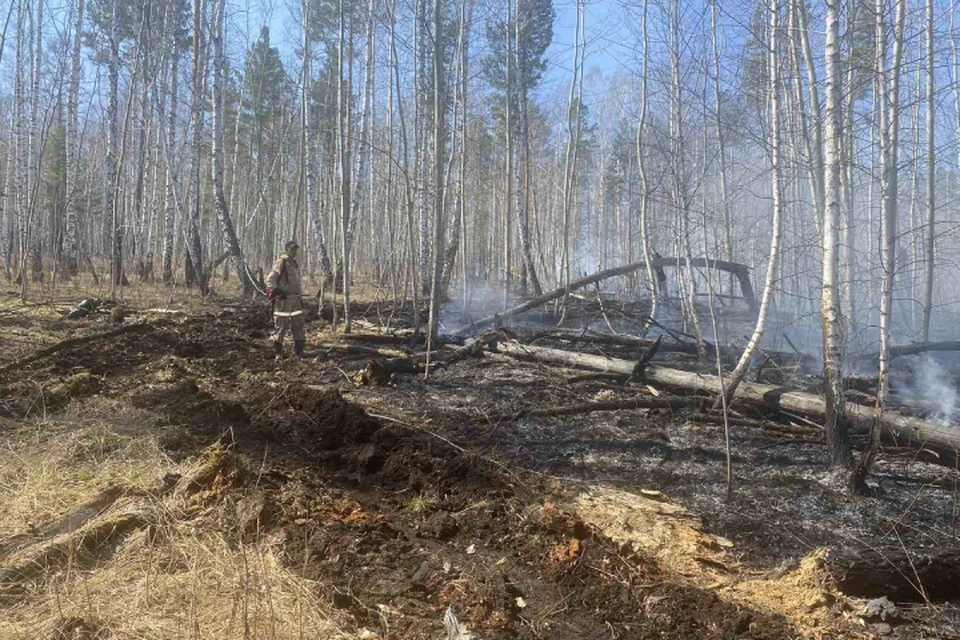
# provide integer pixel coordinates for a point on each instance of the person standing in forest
(285, 289)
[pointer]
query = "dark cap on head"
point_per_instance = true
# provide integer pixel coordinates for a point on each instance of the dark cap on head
(290, 245)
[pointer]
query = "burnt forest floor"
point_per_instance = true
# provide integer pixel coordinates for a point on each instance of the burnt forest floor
(172, 481)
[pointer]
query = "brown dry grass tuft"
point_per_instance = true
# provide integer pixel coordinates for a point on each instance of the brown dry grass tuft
(183, 576)
(179, 582)
(51, 466)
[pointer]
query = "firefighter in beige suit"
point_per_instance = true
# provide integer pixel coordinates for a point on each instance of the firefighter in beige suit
(285, 290)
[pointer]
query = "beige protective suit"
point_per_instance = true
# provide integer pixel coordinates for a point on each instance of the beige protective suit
(284, 281)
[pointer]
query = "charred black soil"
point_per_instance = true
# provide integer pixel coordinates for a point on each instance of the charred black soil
(400, 501)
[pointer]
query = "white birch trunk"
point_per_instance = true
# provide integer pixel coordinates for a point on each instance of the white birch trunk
(220, 196)
(111, 208)
(889, 141)
(776, 188)
(169, 223)
(310, 149)
(929, 236)
(830, 299)
(70, 243)
(343, 103)
(194, 247)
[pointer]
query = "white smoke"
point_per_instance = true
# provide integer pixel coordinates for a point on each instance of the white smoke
(934, 386)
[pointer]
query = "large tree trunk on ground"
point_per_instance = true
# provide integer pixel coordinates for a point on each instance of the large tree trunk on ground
(940, 444)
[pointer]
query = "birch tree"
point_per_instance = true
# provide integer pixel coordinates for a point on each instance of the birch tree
(930, 229)
(110, 206)
(776, 188)
(70, 248)
(438, 181)
(306, 122)
(889, 191)
(194, 247)
(220, 197)
(652, 280)
(830, 295)
(170, 112)
(343, 104)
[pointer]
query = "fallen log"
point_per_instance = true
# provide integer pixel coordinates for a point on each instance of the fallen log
(741, 271)
(914, 349)
(941, 444)
(902, 577)
(76, 342)
(384, 367)
(588, 336)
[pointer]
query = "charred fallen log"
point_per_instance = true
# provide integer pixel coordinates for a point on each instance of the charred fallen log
(914, 349)
(742, 272)
(935, 443)
(626, 341)
(384, 367)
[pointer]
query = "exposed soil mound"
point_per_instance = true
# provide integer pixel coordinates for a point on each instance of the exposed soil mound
(399, 525)
(340, 438)
(183, 402)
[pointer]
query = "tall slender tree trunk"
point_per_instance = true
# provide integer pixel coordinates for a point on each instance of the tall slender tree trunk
(848, 237)
(170, 209)
(836, 431)
(889, 153)
(572, 151)
(113, 209)
(818, 178)
(194, 247)
(438, 181)
(523, 165)
(343, 104)
(20, 145)
(681, 195)
(508, 200)
(459, 222)
(306, 122)
(721, 139)
(648, 253)
(71, 247)
(220, 196)
(364, 165)
(142, 124)
(929, 236)
(776, 188)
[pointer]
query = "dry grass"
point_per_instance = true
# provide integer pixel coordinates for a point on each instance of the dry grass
(180, 582)
(51, 466)
(185, 576)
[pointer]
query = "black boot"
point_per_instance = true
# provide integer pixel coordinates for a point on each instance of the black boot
(298, 348)
(277, 350)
